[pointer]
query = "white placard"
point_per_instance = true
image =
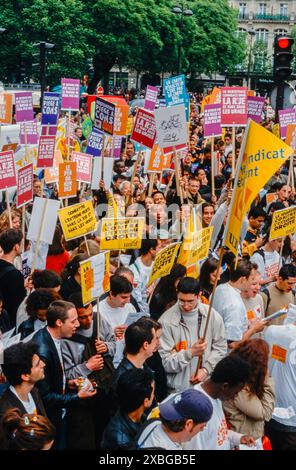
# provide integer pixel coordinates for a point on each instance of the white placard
(45, 213)
(97, 171)
(171, 126)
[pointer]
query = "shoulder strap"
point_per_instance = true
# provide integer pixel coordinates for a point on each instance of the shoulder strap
(267, 293)
(261, 253)
(140, 432)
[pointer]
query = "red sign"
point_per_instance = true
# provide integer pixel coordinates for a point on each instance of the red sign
(144, 131)
(83, 166)
(24, 185)
(46, 151)
(100, 90)
(234, 106)
(7, 170)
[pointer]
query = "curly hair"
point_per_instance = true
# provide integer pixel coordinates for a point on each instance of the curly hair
(255, 352)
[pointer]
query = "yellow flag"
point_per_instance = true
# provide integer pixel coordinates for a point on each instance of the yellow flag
(262, 154)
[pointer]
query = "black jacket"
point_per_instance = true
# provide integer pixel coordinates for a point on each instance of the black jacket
(26, 328)
(12, 289)
(120, 432)
(51, 387)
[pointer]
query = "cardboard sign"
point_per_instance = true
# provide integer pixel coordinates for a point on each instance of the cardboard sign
(92, 272)
(83, 166)
(95, 143)
(43, 219)
(121, 117)
(70, 94)
(28, 131)
(283, 223)
(212, 117)
(122, 234)
(157, 160)
(51, 175)
(5, 108)
(7, 170)
(171, 126)
(117, 143)
(286, 116)
(24, 185)
(78, 220)
(67, 180)
(163, 262)
(24, 107)
(50, 109)
(195, 247)
(175, 90)
(234, 106)
(46, 151)
(150, 98)
(255, 108)
(130, 125)
(144, 131)
(104, 116)
(291, 136)
(97, 172)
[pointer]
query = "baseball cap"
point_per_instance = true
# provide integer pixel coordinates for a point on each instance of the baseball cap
(190, 404)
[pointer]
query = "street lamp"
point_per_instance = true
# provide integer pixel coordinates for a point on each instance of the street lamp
(43, 46)
(252, 33)
(181, 10)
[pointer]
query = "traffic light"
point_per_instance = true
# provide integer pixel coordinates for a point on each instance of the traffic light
(282, 57)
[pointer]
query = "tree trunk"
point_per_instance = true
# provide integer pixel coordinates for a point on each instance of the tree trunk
(102, 66)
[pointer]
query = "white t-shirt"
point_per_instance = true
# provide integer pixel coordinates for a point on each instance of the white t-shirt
(229, 304)
(267, 266)
(30, 405)
(141, 278)
(282, 367)
(254, 307)
(157, 438)
(116, 317)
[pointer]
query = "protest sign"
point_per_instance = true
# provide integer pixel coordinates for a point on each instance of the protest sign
(121, 117)
(255, 108)
(50, 109)
(86, 127)
(262, 154)
(175, 90)
(286, 116)
(24, 107)
(195, 246)
(104, 116)
(271, 197)
(283, 223)
(150, 98)
(70, 94)
(28, 133)
(67, 180)
(95, 143)
(157, 160)
(234, 106)
(122, 234)
(78, 220)
(7, 170)
(212, 118)
(97, 172)
(43, 219)
(192, 271)
(144, 131)
(291, 135)
(51, 175)
(83, 166)
(130, 125)
(24, 192)
(46, 151)
(92, 272)
(5, 108)
(171, 126)
(163, 262)
(117, 142)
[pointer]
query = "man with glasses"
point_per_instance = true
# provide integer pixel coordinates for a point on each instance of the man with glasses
(181, 343)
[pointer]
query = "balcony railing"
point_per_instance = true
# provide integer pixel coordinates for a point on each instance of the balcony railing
(263, 17)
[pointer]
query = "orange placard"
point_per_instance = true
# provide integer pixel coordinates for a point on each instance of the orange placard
(5, 108)
(121, 117)
(278, 353)
(51, 175)
(251, 93)
(89, 278)
(181, 345)
(6, 147)
(67, 180)
(158, 161)
(271, 197)
(291, 136)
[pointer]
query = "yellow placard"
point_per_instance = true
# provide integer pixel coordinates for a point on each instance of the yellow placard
(130, 125)
(262, 154)
(192, 271)
(276, 130)
(163, 262)
(87, 281)
(93, 272)
(196, 247)
(271, 197)
(77, 220)
(122, 234)
(283, 223)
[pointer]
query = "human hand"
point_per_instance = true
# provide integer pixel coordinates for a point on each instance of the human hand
(95, 362)
(258, 325)
(199, 377)
(198, 348)
(28, 283)
(119, 331)
(248, 440)
(101, 347)
(86, 392)
(259, 242)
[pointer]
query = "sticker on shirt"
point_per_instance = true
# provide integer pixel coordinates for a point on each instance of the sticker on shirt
(272, 270)
(278, 353)
(254, 314)
(181, 345)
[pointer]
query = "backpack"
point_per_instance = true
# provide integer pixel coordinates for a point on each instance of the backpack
(267, 293)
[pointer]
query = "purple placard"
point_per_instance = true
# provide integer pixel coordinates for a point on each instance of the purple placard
(70, 93)
(212, 117)
(151, 97)
(24, 107)
(117, 146)
(50, 109)
(255, 108)
(95, 143)
(51, 130)
(29, 128)
(286, 116)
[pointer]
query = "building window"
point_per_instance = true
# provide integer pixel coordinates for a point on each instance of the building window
(262, 35)
(262, 8)
(280, 31)
(283, 9)
(242, 10)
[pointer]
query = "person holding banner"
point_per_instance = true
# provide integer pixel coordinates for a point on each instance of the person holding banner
(180, 345)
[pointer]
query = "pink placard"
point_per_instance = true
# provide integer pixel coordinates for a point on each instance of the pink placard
(255, 108)
(234, 106)
(46, 151)
(24, 185)
(151, 97)
(24, 107)
(212, 117)
(144, 131)
(70, 94)
(83, 166)
(7, 170)
(29, 128)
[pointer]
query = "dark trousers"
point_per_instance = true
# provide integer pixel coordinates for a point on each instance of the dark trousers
(280, 440)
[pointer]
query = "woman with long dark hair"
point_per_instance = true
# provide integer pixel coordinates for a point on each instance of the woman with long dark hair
(57, 256)
(71, 276)
(207, 276)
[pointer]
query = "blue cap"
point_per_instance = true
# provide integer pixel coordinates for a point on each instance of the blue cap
(190, 404)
